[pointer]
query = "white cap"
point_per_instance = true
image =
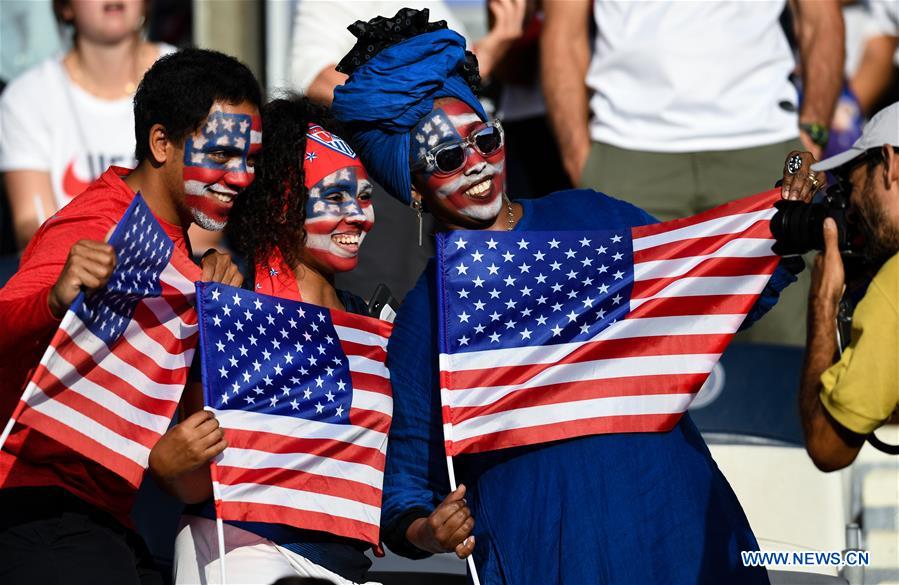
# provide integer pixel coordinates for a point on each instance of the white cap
(881, 129)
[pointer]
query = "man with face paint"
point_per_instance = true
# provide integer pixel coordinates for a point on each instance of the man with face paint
(218, 164)
(299, 224)
(596, 504)
(66, 519)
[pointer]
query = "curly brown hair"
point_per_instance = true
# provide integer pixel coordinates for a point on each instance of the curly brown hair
(271, 213)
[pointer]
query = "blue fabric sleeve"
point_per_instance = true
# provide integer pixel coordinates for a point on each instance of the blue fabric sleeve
(415, 477)
(786, 274)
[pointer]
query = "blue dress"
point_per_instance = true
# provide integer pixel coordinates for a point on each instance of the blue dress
(622, 508)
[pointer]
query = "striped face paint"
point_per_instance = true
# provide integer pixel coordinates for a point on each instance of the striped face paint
(218, 163)
(339, 210)
(339, 213)
(475, 191)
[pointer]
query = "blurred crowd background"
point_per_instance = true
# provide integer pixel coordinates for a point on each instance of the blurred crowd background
(64, 117)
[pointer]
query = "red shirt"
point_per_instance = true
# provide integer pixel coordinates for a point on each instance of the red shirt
(26, 327)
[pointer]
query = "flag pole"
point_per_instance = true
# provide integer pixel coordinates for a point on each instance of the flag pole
(452, 479)
(6, 431)
(20, 407)
(448, 424)
(219, 525)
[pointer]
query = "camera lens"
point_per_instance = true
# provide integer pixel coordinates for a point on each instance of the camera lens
(797, 227)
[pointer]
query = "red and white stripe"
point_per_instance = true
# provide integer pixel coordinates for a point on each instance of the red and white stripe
(112, 403)
(694, 281)
(309, 474)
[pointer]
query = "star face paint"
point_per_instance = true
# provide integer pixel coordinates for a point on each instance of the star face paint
(475, 190)
(218, 165)
(339, 210)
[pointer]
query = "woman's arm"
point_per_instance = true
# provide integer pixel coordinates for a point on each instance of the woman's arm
(31, 201)
(417, 516)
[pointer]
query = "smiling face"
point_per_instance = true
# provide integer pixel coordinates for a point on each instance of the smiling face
(472, 196)
(339, 210)
(218, 162)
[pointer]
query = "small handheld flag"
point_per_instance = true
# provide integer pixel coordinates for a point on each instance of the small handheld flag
(303, 397)
(113, 375)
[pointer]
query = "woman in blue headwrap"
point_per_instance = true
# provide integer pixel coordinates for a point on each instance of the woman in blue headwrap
(615, 508)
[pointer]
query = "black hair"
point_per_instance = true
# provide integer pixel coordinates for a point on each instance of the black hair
(379, 33)
(179, 89)
(873, 157)
(272, 211)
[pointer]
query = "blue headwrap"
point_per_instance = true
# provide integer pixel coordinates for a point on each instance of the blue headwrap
(386, 97)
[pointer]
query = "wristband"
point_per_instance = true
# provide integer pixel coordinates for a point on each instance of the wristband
(819, 133)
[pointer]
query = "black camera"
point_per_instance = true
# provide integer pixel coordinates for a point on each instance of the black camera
(797, 226)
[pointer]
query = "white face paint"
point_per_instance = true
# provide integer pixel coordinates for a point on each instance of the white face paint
(475, 184)
(339, 213)
(476, 189)
(218, 164)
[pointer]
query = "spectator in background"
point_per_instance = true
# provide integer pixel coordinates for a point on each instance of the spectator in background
(876, 68)
(320, 37)
(69, 118)
(692, 104)
(533, 165)
(868, 71)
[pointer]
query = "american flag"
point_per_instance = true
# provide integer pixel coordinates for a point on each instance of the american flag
(551, 335)
(110, 381)
(303, 397)
(237, 131)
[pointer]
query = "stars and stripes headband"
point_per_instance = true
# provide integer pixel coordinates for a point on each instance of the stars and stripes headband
(326, 153)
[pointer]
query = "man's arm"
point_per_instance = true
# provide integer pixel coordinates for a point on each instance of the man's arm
(53, 272)
(820, 34)
(830, 445)
(319, 41)
(321, 90)
(875, 72)
(564, 59)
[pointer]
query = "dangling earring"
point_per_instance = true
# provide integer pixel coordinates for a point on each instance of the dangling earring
(417, 206)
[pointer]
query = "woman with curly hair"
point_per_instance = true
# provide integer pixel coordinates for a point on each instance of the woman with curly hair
(301, 223)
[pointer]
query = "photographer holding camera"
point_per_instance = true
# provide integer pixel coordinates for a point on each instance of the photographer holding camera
(841, 402)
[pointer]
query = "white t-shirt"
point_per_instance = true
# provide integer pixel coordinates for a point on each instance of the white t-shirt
(47, 123)
(687, 76)
(885, 14)
(321, 38)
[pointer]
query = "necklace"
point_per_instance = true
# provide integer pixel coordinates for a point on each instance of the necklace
(77, 74)
(511, 215)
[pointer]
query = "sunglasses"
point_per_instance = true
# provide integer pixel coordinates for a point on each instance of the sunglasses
(450, 157)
